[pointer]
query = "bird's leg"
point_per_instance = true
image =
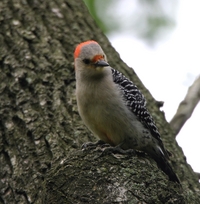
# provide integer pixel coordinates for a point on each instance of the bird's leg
(106, 148)
(92, 145)
(117, 149)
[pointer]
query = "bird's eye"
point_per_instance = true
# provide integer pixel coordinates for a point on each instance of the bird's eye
(86, 61)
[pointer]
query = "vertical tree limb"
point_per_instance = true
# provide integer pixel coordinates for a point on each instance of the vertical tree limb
(186, 107)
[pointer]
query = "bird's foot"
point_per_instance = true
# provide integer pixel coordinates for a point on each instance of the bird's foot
(93, 145)
(117, 149)
(107, 149)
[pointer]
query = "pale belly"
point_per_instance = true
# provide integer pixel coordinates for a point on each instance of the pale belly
(113, 123)
(106, 115)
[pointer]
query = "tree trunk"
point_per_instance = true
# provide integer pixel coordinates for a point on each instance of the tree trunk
(40, 130)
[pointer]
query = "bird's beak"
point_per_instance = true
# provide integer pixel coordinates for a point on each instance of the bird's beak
(101, 63)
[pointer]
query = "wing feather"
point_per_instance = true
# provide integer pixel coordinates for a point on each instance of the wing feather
(136, 102)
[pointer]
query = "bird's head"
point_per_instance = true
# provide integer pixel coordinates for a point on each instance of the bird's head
(89, 57)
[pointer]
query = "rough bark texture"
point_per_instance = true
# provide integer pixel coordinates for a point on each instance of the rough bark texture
(110, 179)
(41, 131)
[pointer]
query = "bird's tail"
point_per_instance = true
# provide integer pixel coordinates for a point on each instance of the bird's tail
(164, 165)
(167, 169)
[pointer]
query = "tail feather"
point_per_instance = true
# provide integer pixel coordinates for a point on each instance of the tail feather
(162, 161)
(167, 169)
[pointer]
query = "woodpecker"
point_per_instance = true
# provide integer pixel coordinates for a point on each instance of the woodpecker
(113, 108)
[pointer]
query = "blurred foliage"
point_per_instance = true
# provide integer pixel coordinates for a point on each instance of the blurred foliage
(150, 20)
(99, 11)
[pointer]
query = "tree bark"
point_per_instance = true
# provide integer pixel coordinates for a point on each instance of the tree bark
(40, 130)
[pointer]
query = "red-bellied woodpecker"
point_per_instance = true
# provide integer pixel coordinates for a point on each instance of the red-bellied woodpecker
(113, 108)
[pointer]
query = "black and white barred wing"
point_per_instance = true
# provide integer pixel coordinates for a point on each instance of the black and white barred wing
(136, 102)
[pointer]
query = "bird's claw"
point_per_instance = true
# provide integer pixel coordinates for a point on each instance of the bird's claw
(92, 145)
(117, 149)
